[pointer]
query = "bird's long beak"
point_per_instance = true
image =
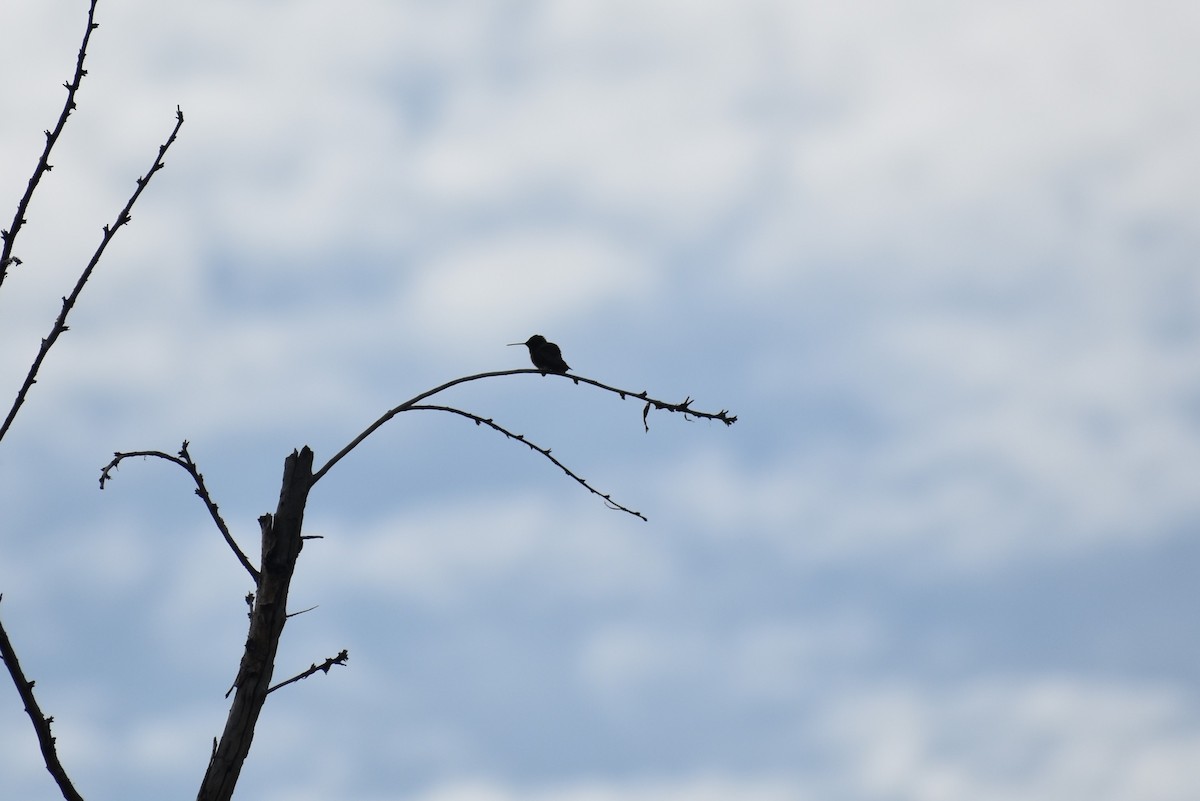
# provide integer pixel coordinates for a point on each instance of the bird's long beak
(510, 344)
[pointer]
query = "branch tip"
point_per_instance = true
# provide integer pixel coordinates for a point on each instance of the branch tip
(184, 460)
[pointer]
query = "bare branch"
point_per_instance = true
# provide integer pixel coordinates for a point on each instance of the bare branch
(68, 302)
(683, 408)
(608, 501)
(41, 723)
(184, 460)
(324, 667)
(43, 166)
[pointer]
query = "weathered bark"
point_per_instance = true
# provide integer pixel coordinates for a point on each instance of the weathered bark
(281, 542)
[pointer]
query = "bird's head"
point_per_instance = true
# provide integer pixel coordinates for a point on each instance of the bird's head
(533, 342)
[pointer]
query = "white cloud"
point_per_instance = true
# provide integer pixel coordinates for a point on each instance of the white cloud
(491, 290)
(1000, 739)
(994, 740)
(987, 210)
(700, 788)
(445, 555)
(773, 661)
(933, 131)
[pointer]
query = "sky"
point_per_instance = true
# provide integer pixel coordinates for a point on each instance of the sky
(939, 258)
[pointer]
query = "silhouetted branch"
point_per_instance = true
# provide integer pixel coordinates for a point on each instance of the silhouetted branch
(608, 501)
(68, 302)
(683, 408)
(281, 543)
(324, 667)
(184, 460)
(302, 611)
(41, 723)
(43, 166)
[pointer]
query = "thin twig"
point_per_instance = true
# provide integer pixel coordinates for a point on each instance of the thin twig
(44, 166)
(41, 723)
(324, 667)
(68, 302)
(608, 501)
(184, 460)
(302, 611)
(683, 408)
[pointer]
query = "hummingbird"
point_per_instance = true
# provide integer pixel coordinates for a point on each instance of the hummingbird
(545, 355)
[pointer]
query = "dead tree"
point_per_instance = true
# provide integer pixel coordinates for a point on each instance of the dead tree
(282, 537)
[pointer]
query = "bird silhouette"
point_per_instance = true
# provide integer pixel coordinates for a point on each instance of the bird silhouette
(545, 355)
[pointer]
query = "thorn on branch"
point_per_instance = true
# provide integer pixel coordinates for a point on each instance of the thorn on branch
(324, 667)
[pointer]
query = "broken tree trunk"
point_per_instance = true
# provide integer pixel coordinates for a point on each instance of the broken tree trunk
(281, 543)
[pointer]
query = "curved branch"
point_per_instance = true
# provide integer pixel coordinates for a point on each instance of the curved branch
(184, 460)
(388, 415)
(487, 421)
(44, 166)
(68, 302)
(41, 723)
(682, 408)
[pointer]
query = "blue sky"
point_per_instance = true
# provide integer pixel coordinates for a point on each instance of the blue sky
(939, 258)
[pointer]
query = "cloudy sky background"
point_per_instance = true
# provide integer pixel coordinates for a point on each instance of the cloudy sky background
(939, 258)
